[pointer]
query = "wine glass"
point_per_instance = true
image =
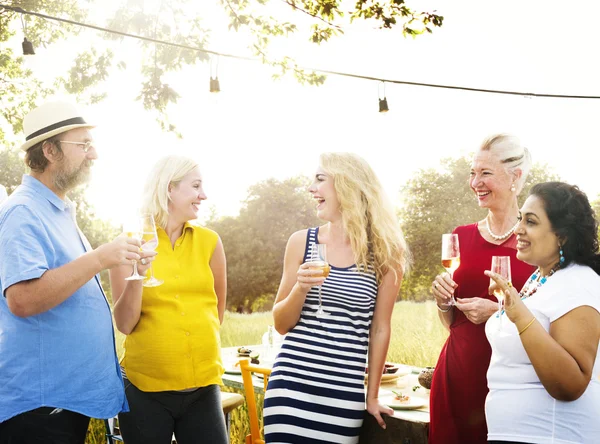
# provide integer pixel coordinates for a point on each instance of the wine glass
(318, 261)
(150, 238)
(450, 256)
(133, 229)
(501, 266)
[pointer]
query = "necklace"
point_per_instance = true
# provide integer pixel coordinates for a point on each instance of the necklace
(502, 236)
(535, 281)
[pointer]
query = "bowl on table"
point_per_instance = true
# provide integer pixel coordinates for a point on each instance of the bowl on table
(425, 377)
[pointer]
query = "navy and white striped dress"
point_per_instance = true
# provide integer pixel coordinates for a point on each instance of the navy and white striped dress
(316, 392)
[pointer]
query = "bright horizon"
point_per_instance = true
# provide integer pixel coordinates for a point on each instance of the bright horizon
(257, 128)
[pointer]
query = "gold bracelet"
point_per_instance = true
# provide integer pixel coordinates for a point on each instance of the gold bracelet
(527, 326)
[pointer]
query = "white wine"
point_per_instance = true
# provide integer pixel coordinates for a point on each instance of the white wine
(320, 265)
(451, 264)
(499, 295)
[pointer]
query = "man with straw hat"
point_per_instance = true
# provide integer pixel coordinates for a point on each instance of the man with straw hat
(58, 364)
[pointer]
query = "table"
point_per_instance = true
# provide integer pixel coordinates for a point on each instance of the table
(405, 427)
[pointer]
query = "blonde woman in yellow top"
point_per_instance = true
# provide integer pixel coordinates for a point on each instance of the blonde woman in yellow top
(172, 362)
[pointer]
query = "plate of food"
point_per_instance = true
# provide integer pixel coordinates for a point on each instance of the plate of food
(244, 352)
(391, 372)
(402, 401)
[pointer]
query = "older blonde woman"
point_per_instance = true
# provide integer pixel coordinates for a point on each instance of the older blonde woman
(172, 358)
(316, 390)
(459, 385)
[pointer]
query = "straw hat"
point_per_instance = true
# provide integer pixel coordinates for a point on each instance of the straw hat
(50, 119)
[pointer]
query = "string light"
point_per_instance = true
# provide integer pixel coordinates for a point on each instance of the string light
(27, 45)
(323, 71)
(383, 105)
(214, 82)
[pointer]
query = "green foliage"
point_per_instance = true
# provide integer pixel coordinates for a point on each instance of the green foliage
(12, 169)
(19, 88)
(255, 240)
(435, 202)
(596, 208)
(326, 20)
(177, 22)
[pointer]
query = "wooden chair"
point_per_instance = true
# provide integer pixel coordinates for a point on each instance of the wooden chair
(230, 402)
(255, 436)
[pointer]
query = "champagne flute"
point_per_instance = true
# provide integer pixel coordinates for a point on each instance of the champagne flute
(133, 229)
(150, 238)
(501, 266)
(450, 256)
(318, 261)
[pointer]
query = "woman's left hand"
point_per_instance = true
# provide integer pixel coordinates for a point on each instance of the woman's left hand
(375, 408)
(514, 307)
(477, 310)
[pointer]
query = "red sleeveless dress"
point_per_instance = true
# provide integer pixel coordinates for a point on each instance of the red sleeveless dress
(459, 384)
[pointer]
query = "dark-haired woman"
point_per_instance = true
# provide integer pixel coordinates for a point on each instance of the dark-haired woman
(544, 372)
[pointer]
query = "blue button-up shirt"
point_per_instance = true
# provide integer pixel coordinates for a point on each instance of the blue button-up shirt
(64, 357)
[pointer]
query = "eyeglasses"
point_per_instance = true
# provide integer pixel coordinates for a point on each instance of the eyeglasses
(86, 145)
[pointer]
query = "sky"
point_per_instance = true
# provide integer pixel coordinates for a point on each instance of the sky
(257, 127)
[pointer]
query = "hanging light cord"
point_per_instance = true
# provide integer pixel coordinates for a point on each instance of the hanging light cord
(323, 71)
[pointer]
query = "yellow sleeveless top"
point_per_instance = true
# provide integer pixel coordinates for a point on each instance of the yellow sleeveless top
(176, 343)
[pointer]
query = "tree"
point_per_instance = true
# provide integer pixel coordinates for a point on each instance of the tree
(435, 202)
(180, 22)
(255, 240)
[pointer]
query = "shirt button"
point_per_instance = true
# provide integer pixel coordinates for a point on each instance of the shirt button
(176, 296)
(189, 356)
(176, 276)
(182, 313)
(187, 333)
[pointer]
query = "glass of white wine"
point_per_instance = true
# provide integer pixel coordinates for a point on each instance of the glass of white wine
(133, 228)
(318, 261)
(450, 256)
(501, 266)
(150, 243)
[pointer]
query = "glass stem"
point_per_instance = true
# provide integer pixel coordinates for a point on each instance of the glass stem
(320, 305)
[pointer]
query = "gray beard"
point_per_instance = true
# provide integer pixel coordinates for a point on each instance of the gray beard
(66, 181)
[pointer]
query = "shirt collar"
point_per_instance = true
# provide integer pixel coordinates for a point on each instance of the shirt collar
(41, 189)
(187, 227)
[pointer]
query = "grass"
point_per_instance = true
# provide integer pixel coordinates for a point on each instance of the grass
(417, 338)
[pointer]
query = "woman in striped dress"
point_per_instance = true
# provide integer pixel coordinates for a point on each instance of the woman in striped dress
(316, 392)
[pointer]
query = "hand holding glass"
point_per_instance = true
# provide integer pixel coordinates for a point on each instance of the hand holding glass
(318, 261)
(501, 266)
(133, 229)
(450, 256)
(150, 238)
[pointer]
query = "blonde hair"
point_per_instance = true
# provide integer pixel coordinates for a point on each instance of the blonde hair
(511, 153)
(367, 216)
(169, 170)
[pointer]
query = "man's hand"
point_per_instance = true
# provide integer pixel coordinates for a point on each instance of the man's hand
(120, 251)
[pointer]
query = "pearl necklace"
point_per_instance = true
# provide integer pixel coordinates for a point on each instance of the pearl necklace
(503, 236)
